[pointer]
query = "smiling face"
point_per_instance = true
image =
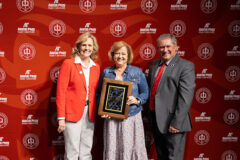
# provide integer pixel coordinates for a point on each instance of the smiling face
(167, 49)
(120, 57)
(86, 49)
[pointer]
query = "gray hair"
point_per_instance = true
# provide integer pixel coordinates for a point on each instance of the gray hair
(166, 36)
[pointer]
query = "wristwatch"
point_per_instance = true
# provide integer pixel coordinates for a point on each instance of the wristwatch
(138, 102)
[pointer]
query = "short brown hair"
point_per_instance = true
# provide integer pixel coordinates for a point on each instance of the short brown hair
(82, 38)
(116, 46)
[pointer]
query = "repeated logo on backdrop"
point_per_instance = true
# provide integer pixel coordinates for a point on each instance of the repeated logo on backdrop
(2, 75)
(149, 6)
(201, 137)
(229, 155)
(205, 51)
(27, 51)
(57, 28)
(30, 141)
(231, 116)
(203, 95)
(177, 28)
(31, 54)
(3, 120)
(87, 6)
(25, 5)
(232, 74)
(234, 28)
(29, 97)
(208, 6)
(147, 51)
(118, 28)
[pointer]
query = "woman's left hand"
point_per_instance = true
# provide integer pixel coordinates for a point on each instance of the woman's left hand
(132, 100)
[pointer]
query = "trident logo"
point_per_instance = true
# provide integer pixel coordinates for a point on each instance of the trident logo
(209, 4)
(203, 95)
(231, 117)
(229, 157)
(29, 97)
(57, 28)
(147, 52)
(118, 28)
(149, 4)
(27, 52)
(25, 3)
(236, 28)
(178, 28)
(201, 137)
(233, 74)
(87, 4)
(30, 141)
(205, 51)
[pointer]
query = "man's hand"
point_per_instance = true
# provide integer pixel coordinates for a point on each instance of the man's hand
(171, 129)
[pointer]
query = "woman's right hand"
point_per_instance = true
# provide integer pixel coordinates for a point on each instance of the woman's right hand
(105, 116)
(61, 125)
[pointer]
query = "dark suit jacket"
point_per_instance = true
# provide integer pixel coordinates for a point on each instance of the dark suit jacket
(174, 94)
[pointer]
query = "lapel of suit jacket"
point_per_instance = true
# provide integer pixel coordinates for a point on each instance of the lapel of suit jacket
(168, 70)
(154, 69)
(81, 74)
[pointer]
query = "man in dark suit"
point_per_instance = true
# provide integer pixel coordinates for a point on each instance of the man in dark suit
(172, 83)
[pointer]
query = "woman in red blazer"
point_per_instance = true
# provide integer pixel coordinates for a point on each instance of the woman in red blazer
(76, 86)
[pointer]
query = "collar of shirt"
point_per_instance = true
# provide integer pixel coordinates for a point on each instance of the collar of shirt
(167, 63)
(112, 68)
(78, 60)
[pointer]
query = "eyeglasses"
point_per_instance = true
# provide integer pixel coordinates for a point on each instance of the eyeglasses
(118, 54)
(163, 47)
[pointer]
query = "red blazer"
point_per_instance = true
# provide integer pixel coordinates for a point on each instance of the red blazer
(72, 92)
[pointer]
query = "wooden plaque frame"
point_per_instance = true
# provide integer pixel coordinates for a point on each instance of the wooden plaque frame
(114, 97)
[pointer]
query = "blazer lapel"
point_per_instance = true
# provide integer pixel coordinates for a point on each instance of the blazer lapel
(154, 73)
(81, 74)
(168, 70)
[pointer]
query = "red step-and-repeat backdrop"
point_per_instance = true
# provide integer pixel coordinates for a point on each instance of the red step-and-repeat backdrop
(37, 35)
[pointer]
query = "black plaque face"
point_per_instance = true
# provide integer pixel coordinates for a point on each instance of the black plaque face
(113, 98)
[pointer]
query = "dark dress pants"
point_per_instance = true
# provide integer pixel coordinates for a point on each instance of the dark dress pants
(169, 146)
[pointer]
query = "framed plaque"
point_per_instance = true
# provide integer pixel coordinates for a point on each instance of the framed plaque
(114, 97)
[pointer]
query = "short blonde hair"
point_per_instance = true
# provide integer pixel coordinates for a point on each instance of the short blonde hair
(116, 46)
(83, 38)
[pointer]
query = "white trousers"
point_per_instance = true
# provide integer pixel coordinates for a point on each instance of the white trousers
(78, 138)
